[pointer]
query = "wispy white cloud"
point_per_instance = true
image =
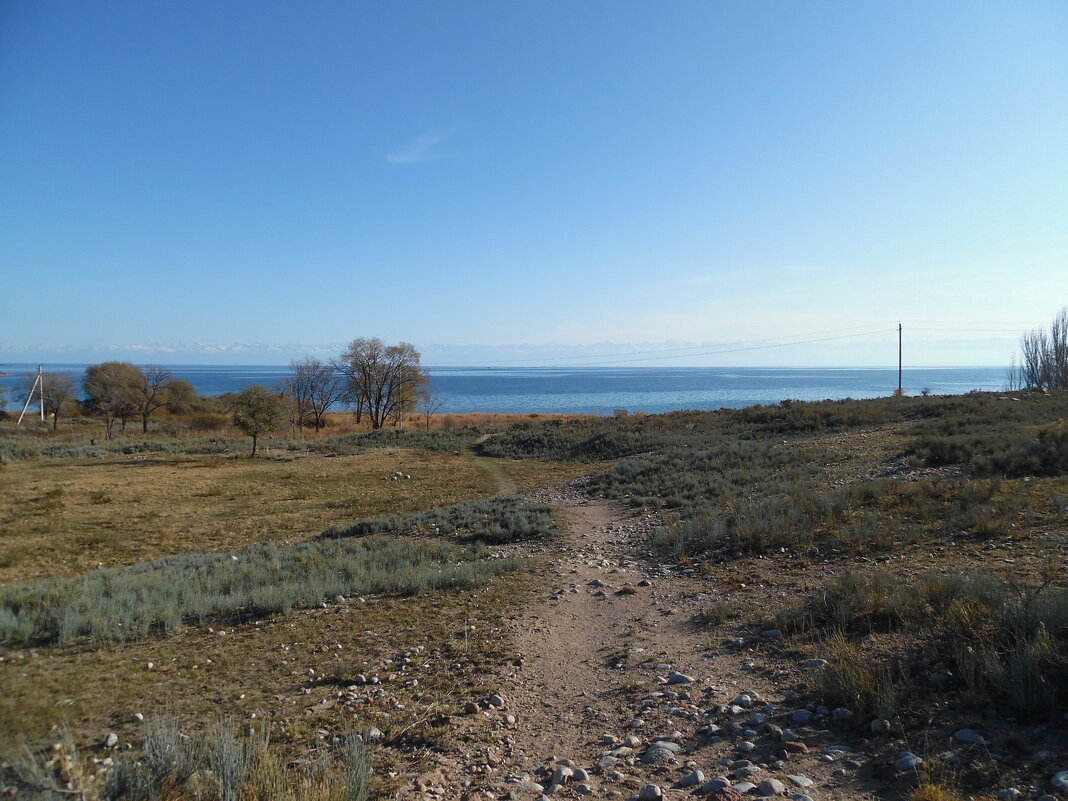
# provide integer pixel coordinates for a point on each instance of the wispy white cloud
(421, 149)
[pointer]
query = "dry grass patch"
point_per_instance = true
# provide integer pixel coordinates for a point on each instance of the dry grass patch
(261, 673)
(63, 518)
(531, 474)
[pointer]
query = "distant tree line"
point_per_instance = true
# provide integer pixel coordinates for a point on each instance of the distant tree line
(118, 391)
(380, 382)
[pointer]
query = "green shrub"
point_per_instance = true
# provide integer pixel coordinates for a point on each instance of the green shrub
(1002, 640)
(128, 603)
(490, 520)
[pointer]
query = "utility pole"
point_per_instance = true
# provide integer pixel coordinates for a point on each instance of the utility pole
(38, 386)
(900, 391)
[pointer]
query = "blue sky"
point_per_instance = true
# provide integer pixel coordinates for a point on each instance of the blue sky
(532, 179)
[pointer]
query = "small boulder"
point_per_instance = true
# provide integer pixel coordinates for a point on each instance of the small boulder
(968, 736)
(908, 761)
(679, 678)
(692, 779)
(771, 787)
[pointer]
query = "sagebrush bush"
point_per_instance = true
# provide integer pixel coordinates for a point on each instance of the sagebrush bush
(490, 520)
(218, 766)
(133, 602)
(1001, 639)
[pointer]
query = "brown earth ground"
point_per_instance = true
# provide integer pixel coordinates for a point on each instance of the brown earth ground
(579, 653)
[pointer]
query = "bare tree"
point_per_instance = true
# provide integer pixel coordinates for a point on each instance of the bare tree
(314, 388)
(59, 393)
(149, 392)
(110, 390)
(431, 402)
(381, 381)
(1044, 356)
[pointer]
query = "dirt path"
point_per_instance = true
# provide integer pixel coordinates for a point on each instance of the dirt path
(506, 485)
(622, 686)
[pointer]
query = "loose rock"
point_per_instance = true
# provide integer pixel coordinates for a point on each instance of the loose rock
(771, 787)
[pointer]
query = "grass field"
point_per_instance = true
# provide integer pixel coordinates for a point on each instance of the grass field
(64, 517)
(71, 516)
(938, 526)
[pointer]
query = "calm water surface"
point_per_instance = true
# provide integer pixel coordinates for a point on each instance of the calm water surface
(601, 390)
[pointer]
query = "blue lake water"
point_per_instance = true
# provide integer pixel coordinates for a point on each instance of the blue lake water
(601, 390)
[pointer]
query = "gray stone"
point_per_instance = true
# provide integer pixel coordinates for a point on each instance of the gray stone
(908, 761)
(655, 755)
(800, 780)
(692, 779)
(968, 736)
(580, 775)
(880, 726)
(679, 678)
(801, 716)
(111, 740)
(771, 787)
(665, 742)
(1009, 794)
(771, 634)
(1060, 780)
(841, 714)
(712, 785)
(743, 787)
(650, 792)
(606, 763)
(562, 774)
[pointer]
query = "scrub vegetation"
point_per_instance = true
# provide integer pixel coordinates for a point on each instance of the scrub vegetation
(915, 544)
(945, 518)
